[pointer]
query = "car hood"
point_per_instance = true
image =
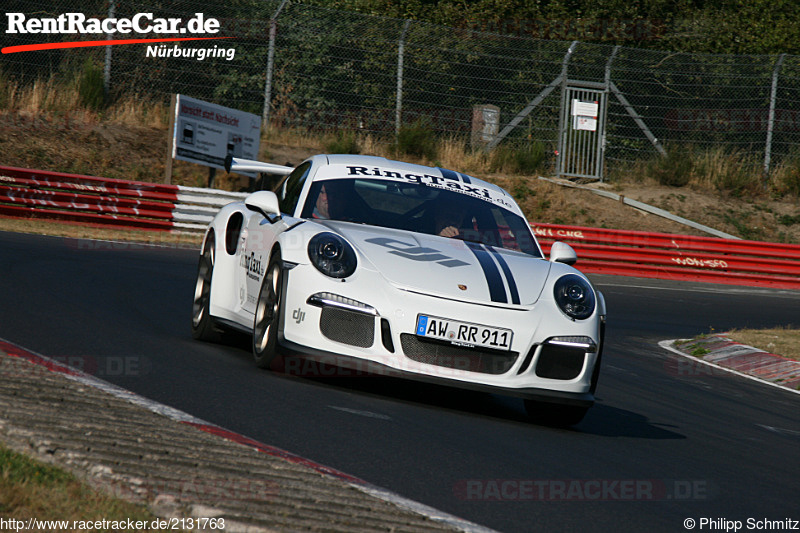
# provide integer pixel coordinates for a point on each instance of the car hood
(449, 268)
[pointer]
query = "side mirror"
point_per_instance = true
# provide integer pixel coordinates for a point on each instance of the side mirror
(264, 202)
(562, 252)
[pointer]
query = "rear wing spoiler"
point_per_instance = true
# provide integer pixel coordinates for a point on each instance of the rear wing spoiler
(237, 164)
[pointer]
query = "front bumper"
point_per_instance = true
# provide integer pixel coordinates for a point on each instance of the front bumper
(366, 325)
(296, 358)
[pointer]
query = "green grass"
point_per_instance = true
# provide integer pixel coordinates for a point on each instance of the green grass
(526, 160)
(699, 351)
(90, 86)
(418, 140)
(343, 143)
(32, 489)
(673, 169)
(19, 469)
(788, 220)
(520, 190)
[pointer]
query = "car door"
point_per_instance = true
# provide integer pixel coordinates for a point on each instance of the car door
(259, 235)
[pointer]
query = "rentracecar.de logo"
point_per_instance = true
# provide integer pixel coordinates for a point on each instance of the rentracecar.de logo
(140, 23)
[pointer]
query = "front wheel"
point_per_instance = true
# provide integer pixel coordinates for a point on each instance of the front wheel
(552, 414)
(203, 327)
(265, 325)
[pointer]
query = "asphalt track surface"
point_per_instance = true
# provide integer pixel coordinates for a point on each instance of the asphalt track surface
(666, 441)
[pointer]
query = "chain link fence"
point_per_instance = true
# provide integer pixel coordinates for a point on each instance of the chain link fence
(325, 70)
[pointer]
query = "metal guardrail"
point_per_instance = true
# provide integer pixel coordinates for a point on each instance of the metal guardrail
(679, 257)
(120, 203)
(135, 205)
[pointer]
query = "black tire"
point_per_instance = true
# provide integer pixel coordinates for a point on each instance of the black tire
(553, 414)
(203, 327)
(267, 315)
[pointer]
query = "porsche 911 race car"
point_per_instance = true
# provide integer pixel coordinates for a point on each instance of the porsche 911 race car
(423, 272)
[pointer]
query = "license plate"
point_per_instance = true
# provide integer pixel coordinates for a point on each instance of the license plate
(463, 333)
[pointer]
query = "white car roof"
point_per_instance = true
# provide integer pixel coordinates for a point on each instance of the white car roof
(338, 166)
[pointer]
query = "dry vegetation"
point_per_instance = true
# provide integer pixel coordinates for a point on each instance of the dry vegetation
(45, 126)
(784, 341)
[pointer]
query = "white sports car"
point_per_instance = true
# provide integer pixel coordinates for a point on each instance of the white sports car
(423, 272)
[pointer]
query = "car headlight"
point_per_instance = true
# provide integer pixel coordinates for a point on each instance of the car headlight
(332, 255)
(574, 296)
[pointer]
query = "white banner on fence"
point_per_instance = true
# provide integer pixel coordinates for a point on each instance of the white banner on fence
(206, 133)
(585, 109)
(584, 123)
(584, 115)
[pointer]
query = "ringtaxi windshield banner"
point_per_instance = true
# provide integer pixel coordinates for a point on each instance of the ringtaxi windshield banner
(141, 28)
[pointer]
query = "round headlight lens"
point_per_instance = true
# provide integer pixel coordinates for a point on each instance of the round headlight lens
(332, 255)
(574, 297)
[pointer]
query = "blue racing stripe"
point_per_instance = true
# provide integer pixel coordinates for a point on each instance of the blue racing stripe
(497, 290)
(465, 178)
(512, 285)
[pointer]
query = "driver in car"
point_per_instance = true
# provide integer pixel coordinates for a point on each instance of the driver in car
(448, 219)
(321, 209)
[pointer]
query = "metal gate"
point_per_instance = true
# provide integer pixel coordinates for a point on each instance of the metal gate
(582, 130)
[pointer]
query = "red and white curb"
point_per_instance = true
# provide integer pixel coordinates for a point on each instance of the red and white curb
(743, 360)
(176, 415)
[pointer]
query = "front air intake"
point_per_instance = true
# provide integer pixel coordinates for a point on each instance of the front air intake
(460, 358)
(348, 327)
(560, 361)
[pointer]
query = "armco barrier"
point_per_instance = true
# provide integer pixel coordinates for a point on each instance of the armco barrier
(680, 257)
(129, 204)
(121, 203)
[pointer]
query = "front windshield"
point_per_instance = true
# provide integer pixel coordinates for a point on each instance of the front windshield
(419, 208)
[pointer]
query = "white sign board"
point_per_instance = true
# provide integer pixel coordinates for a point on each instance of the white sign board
(585, 109)
(206, 133)
(584, 115)
(584, 123)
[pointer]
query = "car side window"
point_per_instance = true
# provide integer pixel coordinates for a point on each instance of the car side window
(289, 190)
